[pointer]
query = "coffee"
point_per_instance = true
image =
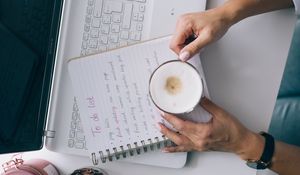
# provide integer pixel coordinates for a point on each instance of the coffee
(176, 87)
(173, 85)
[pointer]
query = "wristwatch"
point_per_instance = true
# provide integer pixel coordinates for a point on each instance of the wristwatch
(266, 157)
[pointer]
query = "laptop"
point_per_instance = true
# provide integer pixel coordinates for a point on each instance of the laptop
(37, 98)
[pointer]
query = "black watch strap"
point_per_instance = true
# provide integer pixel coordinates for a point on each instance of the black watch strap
(266, 157)
(268, 149)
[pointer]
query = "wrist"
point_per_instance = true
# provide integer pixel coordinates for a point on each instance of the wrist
(228, 13)
(252, 146)
(236, 10)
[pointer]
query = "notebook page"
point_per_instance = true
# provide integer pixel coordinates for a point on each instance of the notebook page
(113, 94)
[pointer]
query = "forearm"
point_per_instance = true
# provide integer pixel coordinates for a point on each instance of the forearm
(286, 158)
(236, 10)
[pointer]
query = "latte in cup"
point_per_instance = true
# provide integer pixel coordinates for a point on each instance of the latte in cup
(176, 87)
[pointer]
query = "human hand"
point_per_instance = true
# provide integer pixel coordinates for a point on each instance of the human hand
(206, 27)
(222, 133)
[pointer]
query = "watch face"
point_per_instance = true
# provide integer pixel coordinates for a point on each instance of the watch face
(252, 165)
(259, 165)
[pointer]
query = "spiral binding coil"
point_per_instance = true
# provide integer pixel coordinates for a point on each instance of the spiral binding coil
(131, 149)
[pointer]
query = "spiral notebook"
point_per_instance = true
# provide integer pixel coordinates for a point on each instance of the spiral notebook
(119, 118)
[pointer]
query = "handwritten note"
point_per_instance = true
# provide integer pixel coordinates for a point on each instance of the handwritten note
(93, 116)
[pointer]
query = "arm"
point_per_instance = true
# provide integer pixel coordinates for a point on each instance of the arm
(286, 160)
(225, 133)
(212, 24)
(241, 9)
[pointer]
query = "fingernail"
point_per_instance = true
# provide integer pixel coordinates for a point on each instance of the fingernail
(184, 56)
(165, 151)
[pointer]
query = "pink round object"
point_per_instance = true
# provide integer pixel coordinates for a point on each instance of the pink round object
(30, 167)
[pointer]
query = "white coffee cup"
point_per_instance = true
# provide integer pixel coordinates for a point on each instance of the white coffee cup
(176, 87)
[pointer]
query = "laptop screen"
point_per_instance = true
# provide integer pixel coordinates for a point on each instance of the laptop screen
(28, 32)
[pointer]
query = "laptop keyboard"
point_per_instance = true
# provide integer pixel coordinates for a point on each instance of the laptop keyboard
(110, 24)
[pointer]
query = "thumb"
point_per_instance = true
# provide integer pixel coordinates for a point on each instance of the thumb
(194, 47)
(211, 107)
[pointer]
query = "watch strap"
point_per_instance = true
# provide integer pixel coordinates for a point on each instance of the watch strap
(269, 148)
(266, 157)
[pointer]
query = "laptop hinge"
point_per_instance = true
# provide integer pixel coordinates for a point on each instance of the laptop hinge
(49, 134)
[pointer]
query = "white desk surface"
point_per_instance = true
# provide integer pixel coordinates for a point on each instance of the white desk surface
(254, 52)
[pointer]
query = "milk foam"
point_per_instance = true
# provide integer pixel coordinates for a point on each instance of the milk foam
(176, 87)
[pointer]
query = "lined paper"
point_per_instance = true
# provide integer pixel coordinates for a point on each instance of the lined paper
(113, 93)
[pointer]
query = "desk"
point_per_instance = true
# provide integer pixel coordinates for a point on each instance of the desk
(243, 72)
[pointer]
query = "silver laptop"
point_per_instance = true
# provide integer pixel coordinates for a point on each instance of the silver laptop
(92, 26)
